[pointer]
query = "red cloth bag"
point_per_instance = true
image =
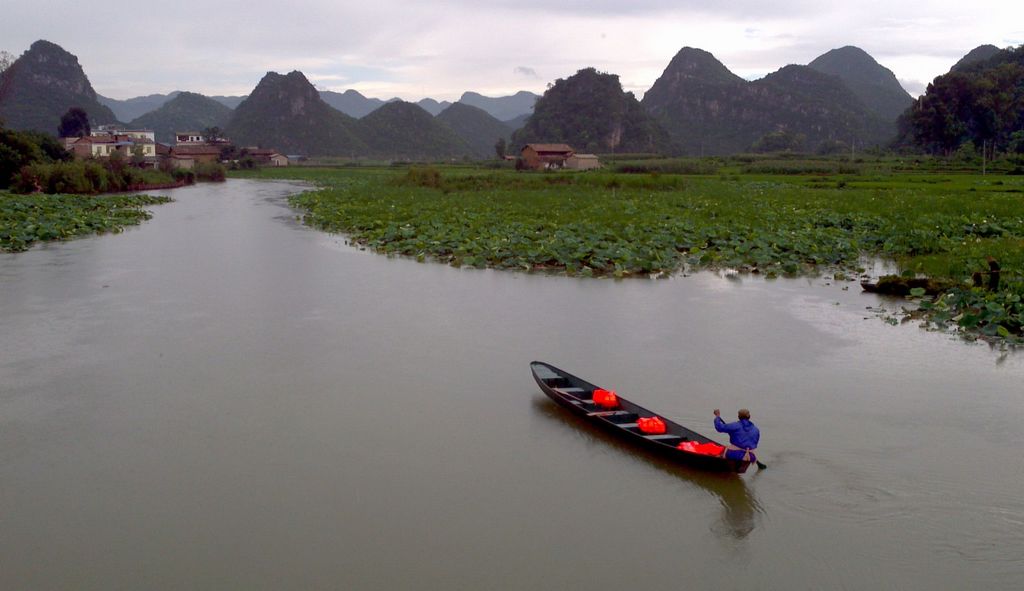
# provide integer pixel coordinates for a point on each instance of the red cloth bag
(651, 425)
(606, 398)
(704, 449)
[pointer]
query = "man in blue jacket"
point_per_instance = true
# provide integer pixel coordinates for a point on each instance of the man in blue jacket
(743, 436)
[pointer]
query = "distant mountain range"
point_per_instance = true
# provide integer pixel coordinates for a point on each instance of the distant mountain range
(134, 108)
(287, 113)
(350, 102)
(502, 108)
(697, 106)
(709, 110)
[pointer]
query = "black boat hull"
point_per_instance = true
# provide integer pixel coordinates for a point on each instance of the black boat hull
(573, 394)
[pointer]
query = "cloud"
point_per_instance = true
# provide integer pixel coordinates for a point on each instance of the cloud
(914, 87)
(440, 49)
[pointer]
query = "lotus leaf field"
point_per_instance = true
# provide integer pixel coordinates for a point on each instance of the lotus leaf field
(619, 225)
(25, 219)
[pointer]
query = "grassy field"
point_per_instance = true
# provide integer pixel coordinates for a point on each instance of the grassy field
(25, 219)
(650, 223)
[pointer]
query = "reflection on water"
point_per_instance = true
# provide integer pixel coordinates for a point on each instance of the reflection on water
(740, 509)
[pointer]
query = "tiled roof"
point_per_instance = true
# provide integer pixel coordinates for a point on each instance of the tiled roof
(549, 147)
(195, 150)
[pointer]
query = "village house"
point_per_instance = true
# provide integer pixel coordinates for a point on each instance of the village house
(113, 130)
(187, 156)
(582, 162)
(267, 157)
(105, 145)
(545, 156)
(189, 137)
(197, 138)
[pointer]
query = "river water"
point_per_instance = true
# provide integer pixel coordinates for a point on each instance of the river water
(222, 398)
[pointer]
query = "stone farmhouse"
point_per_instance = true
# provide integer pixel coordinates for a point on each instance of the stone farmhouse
(556, 156)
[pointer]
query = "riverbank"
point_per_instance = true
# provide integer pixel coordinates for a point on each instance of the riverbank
(619, 225)
(26, 219)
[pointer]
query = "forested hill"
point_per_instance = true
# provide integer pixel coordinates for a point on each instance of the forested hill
(187, 111)
(286, 113)
(709, 110)
(979, 103)
(590, 112)
(698, 100)
(478, 129)
(42, 85)
(404, 130)
(874, 84)
(980, 53)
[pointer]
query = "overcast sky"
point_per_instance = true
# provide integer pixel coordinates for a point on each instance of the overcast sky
(438, 49)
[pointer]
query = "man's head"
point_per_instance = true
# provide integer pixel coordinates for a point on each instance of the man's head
(744, 414)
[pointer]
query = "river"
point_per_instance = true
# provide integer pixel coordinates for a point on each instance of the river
(221, 398)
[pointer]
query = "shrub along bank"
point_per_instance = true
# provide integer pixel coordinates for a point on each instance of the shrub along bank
(105, 176)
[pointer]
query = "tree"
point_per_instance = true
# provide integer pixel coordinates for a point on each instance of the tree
(779, 141)
(982, 105)
(138, 158)
(74, 123)
(499, 148)
(228, 153)
(1017, 142)
(22, 148)
(213, 134)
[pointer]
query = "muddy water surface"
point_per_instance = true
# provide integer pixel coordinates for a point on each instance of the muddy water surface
(222, 398)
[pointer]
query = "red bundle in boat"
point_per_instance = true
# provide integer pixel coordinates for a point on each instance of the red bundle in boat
(651, 425)
(606, 398)
(706, 449)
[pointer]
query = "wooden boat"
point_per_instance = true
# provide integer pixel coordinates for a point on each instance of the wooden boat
(576, 395)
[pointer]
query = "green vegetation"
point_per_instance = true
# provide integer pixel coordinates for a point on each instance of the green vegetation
(980, 102)
(22, 148)
(211, 172)
(88, 177)
(612, 224)
(74, 123)
(25, 219)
